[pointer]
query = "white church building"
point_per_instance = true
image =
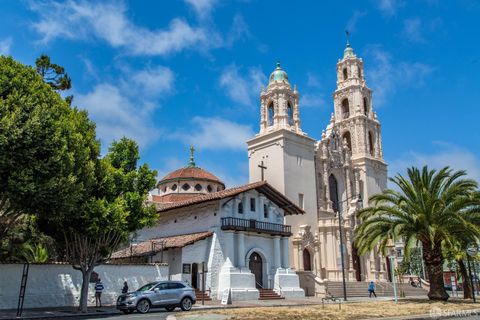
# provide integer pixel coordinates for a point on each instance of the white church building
(281, 231)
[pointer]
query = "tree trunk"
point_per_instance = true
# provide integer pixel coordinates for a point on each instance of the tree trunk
(467, 292)
(84, 291)
(434, 265)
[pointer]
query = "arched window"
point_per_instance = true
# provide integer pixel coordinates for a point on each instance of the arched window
(307, 260)
(290, 114)
(360, 72)
(365, 106)
(198, 187)
(271, 114)
(345, 109)
(333, 186)
(370, 143)
(240, 207)
(186, 186)
(265, 211)
(174, 187)
(348, 138)
(345, 74)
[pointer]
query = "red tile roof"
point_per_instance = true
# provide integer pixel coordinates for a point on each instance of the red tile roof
(174, 197)
(194, 173)
(156, 245)
(262, 186)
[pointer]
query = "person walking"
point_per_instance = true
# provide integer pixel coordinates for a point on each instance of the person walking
(371, 289)
(98, 293)
(125, 287)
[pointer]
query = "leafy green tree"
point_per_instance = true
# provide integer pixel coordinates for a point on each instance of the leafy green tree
(54, 75)
(433, 207)
(116, 208)
(34, 253)
(48, 150)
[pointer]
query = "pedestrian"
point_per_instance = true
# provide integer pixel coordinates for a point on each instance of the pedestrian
(371, 289)
(98, 293)
(125, 287)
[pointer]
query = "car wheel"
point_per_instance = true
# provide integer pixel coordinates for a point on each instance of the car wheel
(143, 306)
(186, 304)
(170, 308)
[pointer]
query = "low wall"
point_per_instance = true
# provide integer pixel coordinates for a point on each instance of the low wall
(58, 285)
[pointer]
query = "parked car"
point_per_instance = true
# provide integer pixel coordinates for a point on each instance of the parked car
(160, 294)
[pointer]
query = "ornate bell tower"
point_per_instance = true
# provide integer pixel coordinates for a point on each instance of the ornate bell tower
(283, 155)
(358, 123)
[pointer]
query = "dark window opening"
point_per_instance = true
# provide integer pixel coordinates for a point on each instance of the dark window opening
(265, 211)
(333, 186)
(252, 204)
(345, 109)
(345, 74)
(240, 207)
(271, 114)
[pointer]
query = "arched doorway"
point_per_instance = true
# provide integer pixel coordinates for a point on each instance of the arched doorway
(195, 275)
(356, 263)
(255, 265)
(307, 260)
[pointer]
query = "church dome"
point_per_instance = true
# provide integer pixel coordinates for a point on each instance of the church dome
(278, 75)
(187, 182)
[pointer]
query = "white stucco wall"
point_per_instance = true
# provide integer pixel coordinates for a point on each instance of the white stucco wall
(58, 285)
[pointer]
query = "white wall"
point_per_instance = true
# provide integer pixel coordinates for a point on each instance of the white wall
(58, 285)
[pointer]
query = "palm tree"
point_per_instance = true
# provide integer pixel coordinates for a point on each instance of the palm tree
(433, 207)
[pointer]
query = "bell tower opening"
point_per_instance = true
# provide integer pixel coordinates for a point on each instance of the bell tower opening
(271, 114)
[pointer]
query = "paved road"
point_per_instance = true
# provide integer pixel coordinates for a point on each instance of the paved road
(152, 315)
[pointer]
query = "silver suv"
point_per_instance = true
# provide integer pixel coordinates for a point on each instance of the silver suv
(166, 294)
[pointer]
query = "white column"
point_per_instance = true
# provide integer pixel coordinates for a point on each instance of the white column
(285, 263)
(229, 248)
(241, 250)
(277, 254)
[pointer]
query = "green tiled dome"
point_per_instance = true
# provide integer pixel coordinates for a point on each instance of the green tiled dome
(278, 75)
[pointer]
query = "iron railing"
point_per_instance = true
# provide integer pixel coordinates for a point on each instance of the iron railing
(238, 224)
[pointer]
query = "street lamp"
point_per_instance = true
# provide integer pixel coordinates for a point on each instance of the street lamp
(359, 202)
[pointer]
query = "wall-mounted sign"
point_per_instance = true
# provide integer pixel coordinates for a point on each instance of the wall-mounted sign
(187, 268)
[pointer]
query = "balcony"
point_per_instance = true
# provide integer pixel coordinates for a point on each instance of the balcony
(237, 224)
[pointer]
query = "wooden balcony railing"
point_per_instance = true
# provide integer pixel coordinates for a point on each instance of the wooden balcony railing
(237, 224)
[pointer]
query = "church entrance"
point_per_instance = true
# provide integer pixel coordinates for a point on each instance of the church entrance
(307, 260)
(195, 275)
(356, 263)
(255, 265)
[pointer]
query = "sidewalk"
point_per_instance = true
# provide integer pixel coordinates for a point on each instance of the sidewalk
(70, 312)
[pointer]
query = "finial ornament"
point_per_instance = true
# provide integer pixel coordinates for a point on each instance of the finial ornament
(347, 34)
(191, 163)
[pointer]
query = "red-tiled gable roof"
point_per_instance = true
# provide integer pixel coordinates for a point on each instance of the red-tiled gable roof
(191, 173)
(156, 245)
(262, 186)
(174, 197)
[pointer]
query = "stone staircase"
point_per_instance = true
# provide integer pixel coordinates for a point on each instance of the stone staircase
(269, 294)
(202, 294)
(382, 289)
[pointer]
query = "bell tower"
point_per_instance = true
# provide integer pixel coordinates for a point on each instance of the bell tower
(358, 123)
(282, 154)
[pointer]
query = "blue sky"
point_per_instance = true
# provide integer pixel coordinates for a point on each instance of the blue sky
(173, 73)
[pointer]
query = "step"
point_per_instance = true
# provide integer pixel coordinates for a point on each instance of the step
(268, 294)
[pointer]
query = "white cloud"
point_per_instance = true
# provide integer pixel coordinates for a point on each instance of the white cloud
(116, 115)
(387, 75)
(242, 88)
(107, 21)
(313, 81)
(215, 134)
(5, 46)
(153, 81)
(446, 154)
(312, 100)
(202, 7)
(412, 30)
(352, 22)
(389, 7)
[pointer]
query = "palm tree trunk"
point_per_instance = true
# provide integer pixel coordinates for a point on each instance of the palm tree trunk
(467, 291)
(434, 265)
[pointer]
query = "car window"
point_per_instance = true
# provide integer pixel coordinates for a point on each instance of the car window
(175, 285)
(162, 286)
(147, 287)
